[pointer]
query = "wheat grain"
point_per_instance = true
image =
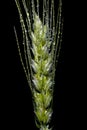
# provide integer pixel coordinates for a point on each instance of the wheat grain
(45, 46)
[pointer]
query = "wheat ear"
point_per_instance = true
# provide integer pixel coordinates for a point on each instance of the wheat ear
(40, 54)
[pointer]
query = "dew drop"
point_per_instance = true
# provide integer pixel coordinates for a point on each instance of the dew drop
(53, 43)
(27, 14)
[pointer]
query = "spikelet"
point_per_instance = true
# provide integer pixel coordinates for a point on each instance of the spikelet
(40, 69)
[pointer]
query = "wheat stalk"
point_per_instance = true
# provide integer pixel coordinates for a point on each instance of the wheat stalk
(40, 54)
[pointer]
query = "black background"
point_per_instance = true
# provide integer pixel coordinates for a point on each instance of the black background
(18, 108)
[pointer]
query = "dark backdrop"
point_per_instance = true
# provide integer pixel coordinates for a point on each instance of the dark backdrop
(18, 101)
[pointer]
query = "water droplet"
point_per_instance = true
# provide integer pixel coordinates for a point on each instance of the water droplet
(53, 43)
(27, 14)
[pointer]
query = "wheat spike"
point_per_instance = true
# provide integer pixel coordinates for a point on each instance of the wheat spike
(40, 54)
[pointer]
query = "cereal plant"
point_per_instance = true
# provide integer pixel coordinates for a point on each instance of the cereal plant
(41, 42)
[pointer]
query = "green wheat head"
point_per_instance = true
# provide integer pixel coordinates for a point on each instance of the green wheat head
(41, 42)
